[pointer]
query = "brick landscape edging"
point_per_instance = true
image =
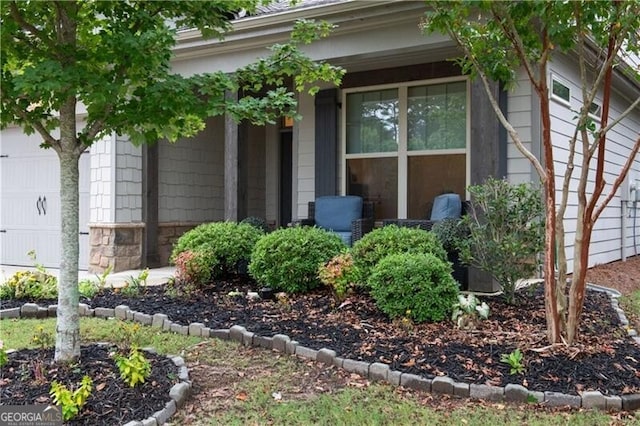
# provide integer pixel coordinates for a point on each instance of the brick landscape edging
(375, 371)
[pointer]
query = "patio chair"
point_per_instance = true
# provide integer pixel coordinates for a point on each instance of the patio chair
(347, 215)
(444, 206)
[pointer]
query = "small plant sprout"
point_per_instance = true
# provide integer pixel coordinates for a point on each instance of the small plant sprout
(42, 338)
(515, 360)
(133, 285)
(468, 310)
(71, 401)
(135, 368)
(102, 278)
(4, 358)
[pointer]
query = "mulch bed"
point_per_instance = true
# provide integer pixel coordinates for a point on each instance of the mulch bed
(603, 358)
(27, 377)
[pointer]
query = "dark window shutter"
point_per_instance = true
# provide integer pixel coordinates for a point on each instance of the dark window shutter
(326, 142)
(488, 136)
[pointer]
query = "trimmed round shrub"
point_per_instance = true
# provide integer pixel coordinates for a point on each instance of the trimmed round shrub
(417, 286)
(288, 259)
(392, 239)
(222, 246)
(258, 222)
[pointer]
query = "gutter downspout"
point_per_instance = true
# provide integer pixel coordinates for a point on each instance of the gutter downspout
(623, 230)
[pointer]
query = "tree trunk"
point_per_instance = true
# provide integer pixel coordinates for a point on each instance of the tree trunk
(578, 280)
(68, 321)
(550, 285)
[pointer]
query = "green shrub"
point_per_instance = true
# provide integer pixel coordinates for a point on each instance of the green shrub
(417, 286)
(35, 285)
(227, 244)
(506, 232)
(288, 259)
(382, 242)
(258, 222)
(194, 267)
(450, 232)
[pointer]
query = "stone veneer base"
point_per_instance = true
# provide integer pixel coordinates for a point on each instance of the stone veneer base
(374, 371)
(115, 245)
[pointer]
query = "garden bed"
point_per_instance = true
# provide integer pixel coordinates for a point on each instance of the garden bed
(602, 359)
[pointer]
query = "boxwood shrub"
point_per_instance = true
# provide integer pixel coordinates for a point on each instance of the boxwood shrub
(392, 239)
(220, 246)
(288, 259)
(417, 286)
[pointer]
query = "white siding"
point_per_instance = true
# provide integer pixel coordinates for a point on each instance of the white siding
(606, 243)
(304, 161)
(191, 176)
(519, 108)
(103, 181)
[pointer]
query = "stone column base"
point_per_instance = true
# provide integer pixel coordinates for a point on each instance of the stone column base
(168, 234)
(118, 245)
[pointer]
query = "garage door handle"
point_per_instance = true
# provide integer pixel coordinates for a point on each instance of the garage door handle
(84, 233)
(41, 205)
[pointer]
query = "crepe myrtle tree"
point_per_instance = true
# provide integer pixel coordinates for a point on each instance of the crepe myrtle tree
(113, 58)
(498, 39)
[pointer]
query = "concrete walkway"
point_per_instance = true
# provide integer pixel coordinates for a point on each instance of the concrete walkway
(118, 279)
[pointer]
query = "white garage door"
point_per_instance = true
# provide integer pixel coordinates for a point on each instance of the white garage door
(30, 202)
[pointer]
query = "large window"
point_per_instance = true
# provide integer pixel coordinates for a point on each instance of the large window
(406, 144)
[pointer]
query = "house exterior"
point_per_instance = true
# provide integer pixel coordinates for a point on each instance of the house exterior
(404, 126)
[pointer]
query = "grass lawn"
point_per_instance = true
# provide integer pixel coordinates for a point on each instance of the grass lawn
(235, 385)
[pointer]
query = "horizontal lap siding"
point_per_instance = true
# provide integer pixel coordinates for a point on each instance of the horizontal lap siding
(606, 240)
(303, 162)
(519, 106)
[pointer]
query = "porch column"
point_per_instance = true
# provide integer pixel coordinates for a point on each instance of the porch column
(230, 164)
(150, 257)
(116, 228)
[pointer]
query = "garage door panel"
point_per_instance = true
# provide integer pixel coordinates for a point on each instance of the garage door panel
(18, 243)
(28, 176)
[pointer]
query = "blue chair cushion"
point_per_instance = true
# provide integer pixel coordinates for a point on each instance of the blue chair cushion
(446, 206)
(345, 236)
(336, 212)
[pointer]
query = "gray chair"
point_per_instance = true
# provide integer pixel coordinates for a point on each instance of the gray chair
(444, 206)
(347, 215)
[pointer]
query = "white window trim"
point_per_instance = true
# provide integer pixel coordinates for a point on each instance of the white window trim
(402, 151)
(554, 77)
(596, 117)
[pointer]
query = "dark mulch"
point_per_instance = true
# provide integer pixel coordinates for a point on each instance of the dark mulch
(27, 377)
(602, 359)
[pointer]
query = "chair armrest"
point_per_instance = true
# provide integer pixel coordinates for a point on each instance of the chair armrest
(359, 227)
(303, 222)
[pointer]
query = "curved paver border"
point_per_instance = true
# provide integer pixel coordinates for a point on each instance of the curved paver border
(178, 392)
(374, 371)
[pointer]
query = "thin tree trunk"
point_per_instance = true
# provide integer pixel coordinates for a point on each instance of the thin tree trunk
(550, 285)
(68, 321)
(578, 279)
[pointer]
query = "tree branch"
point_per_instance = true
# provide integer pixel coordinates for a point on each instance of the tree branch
(55, 143)
(513, 35)
(494, 104)
(15, 14)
